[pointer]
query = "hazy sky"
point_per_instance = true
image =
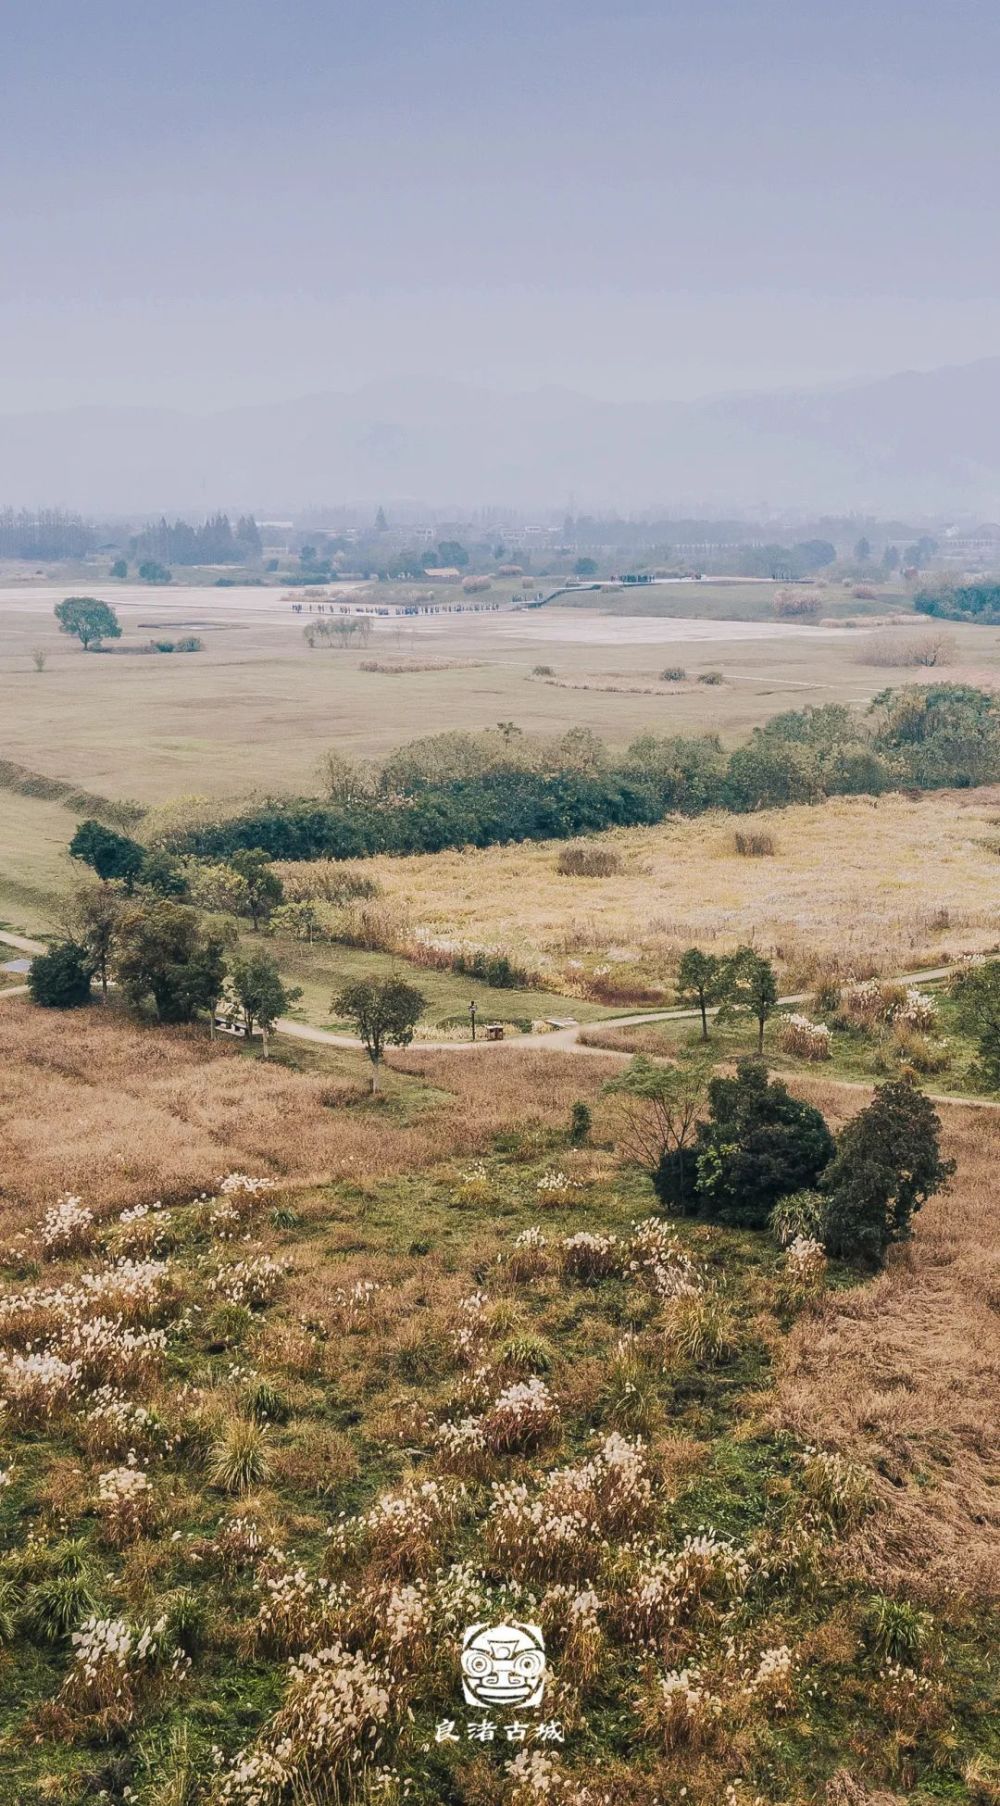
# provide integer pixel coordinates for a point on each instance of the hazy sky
(229, 201)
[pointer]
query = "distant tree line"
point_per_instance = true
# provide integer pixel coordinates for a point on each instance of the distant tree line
(216, 541)
(45, 533)
(483, 789)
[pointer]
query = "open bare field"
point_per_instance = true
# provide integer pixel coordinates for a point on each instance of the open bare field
(255, 709)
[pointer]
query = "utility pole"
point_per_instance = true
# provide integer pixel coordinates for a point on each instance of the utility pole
(472, 1016)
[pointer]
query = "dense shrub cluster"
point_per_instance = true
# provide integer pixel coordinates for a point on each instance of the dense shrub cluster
(961, 601)
(760, 1157)
(481, 790)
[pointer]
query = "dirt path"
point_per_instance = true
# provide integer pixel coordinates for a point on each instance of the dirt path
(22, 943)
(565, 1039)
(560, 1040)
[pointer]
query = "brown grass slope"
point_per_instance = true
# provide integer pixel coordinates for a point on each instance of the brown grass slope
(903, 1373)
(98, 1105)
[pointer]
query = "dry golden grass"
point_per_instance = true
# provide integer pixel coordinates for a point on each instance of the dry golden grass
(904, 1374)
(144, 727)
(880, 884)
(121, 1114)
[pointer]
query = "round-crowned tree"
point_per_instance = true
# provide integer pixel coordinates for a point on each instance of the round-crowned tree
(60, 978)
(758, 1144)
(888, 1163)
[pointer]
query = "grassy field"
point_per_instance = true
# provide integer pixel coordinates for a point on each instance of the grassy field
(943, 1057)
(868, 886)
(320, 970)
(35, 869)
(255, 709)
(299, 1413)
(875, 885)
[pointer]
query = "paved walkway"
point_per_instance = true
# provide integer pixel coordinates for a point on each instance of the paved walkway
(563, 1039)
(556, 1040)
(22, 943)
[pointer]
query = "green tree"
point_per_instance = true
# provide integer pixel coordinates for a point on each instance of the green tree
(385, 1012)
(585, 567)
(119, 568)
(450, 552)
(863, 550)
(701, 982)
(218, 888)
(97, 918)
(977, 993)
(264, 889)
(256, 987)
(767, 774)
(163, 953)
(758, 1144)
(152, 571)
(60, 978)
(88, 620)
(110, 854)
(164, 874)
(301, 920)
(750, 989)
(887, 1164)
(656, 1111)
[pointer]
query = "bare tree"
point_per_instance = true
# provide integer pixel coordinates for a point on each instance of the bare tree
(656, 1108)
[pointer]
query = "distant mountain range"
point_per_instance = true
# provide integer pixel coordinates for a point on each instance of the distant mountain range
(912, 443)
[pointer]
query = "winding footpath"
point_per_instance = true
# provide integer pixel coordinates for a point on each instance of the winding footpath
(557, 1040)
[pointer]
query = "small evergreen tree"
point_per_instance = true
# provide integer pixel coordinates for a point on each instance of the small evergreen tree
(579, 1123)
(60, 978)
(759, 1144)
(887, 1164)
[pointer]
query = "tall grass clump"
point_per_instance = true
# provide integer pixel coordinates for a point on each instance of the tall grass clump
(753, 844)
(588, 862)
(240, 1458)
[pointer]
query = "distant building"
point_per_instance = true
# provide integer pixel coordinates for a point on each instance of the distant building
(976, 549)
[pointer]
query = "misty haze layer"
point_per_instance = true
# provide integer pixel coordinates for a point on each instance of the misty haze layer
(212, 205)
(907, 444)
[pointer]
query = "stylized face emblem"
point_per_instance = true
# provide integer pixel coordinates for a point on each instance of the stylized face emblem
(503, 1665)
